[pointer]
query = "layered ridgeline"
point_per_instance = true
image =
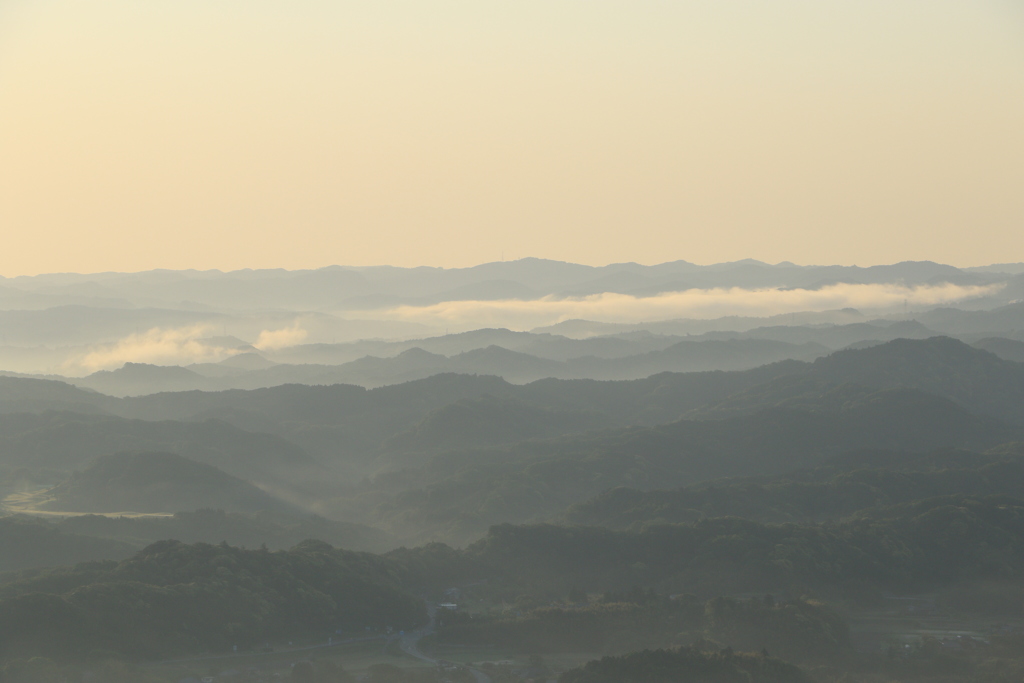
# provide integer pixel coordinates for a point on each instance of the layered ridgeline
(327, 419)
(679, 355)
(151, 292)
(914, 521)
(803, 417)
(518, 357)
(339, 303)
(446, 457)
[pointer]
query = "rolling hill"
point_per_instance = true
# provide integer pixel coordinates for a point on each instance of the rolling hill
(156, 482)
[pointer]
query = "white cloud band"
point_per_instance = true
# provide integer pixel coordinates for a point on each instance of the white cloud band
(693, 303)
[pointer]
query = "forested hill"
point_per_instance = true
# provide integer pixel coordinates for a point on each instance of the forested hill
(350, 424)
(65, 441)
(920, 546)
(156, 482)
(455, 496)
(176, 598)
(446, 457)
(172, 597)
(856, 483)
(976, 379)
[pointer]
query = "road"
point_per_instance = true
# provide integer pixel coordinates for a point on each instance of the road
(409, 644)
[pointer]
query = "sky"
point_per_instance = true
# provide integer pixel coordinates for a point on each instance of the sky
(249, 134)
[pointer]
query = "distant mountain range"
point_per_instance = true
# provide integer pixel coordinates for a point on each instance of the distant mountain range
(446, 456)
(71, 323)
(529, 278)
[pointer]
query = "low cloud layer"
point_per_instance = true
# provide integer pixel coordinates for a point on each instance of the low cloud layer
(270, 340)
(693, 303)
(172, 346)
(158, 346)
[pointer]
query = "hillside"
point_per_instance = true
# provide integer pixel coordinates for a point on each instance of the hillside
(488, 420)
(457, 495)
(136, 379)
(975, 379)
(33, 395)
(841, 488)
(978, 380)
(156, 482)
(924, 544)
(68, 441)
(175, 598)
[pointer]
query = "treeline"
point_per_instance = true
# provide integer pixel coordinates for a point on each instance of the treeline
(177, 598)
(856, 482)
(174, 597)
(33, 542)
(925, 543)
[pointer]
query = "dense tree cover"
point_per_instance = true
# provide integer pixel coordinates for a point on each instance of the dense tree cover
(34, 542)
(973, 378)
(684, 664)
(922, 543)
(448, 451)
(172, 597)
(840, 489)
(456, 496)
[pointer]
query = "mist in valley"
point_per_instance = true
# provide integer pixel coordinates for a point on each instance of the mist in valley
(524, 342)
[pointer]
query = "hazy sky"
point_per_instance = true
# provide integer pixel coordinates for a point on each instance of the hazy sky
(301, 133)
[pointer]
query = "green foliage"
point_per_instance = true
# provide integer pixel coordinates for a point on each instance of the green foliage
(934, 541)
(457, 495)
(832, 492)
(173, 597)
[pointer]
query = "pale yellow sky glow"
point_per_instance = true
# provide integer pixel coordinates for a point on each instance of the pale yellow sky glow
(248, 133)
